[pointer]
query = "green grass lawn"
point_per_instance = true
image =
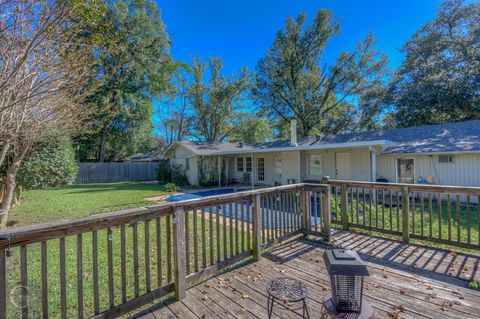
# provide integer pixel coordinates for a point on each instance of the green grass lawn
(76, 201)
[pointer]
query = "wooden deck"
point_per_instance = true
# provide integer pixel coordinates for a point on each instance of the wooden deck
(406, 281)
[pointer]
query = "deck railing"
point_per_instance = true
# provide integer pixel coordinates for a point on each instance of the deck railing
(108, 264)
(442, 214)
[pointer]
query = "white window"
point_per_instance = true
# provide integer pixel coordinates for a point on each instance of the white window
(187, 163)
(315, 165)
(405, 170)
(261, 168)
(446, 158)
(248, 162)
(239, 164)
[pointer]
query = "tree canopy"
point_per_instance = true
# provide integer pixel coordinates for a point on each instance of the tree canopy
(132, 65)
(291, 82)
(439, 79)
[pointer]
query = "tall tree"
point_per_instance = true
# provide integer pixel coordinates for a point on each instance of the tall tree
(133, 64)
(290, 81)
(41, 67)
(215, 100)
(439, 79)
(174, 116)
(251, 128)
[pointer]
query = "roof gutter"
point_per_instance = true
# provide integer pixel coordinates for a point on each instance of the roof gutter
(307, 147)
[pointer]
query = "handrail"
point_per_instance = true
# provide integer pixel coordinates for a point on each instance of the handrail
(33, 233)
(467, 190)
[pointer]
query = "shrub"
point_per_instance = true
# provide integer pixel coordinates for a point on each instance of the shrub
(171, 173)
(163, 172)
(171, 188)
(51, 165)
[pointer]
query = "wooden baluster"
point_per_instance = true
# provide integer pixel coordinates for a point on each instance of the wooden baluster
(383, 209)
(257, 248)
(158, 225)
(270, 217)
(3, 285)
(430, 214)
(180, 255)
(358, 204)
(219, 252)
(242, 210)
(123, 261)
(469, 221)
(212, 233)
(169, 247)
(390, 195)
(405, 207)
(370, 200)
(79, 276)
(364, 206)
(147, 256)
(195, 240)
(449, 211)
(225, 243)
(24, 280)
(96, 298)
(478, 219)
(204, 240)
(111, 297)
(284, 219)
(326, 214)
(422, 198)
(63, 281)
(135, 261)
(439, 215)
(344, 206)
(44, 259)
(249, 221)
(230, 215)
(315, 211)
(459, 220)
(187, 241)
(413, 212)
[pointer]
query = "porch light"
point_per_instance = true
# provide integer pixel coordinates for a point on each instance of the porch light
(346, 270)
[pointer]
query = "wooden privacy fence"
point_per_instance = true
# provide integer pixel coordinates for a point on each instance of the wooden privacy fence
(442, 214)
(108, 264)
(116, 172)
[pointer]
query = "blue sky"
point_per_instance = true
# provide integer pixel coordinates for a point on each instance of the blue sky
(240, 31)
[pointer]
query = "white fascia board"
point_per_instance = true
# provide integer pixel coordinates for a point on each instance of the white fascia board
(432, 153)
(309, 147)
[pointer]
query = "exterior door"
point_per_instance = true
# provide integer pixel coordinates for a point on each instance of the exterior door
(342, 164)
(277, 174)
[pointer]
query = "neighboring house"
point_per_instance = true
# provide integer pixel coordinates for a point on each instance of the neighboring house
(144, 157)
(447, 154)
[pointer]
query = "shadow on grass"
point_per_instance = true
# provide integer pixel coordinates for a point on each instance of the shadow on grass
(107, 187)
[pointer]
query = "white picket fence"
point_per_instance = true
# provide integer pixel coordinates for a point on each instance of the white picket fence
(116, 172)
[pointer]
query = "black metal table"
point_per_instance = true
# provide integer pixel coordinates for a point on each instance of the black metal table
(286, 291)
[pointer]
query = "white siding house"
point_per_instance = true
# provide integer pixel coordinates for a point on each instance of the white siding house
(447, 154)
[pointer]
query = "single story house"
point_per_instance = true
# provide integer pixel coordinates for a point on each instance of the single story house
(447, 154)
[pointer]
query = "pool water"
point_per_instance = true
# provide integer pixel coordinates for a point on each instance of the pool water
(206, 193)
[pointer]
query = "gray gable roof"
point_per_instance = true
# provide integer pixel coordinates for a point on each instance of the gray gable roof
(449, 137)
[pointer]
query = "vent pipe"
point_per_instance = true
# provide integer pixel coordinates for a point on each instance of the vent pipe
(293, 132)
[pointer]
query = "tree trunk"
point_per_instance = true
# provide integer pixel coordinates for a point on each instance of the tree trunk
(101, 146)
(10, 184)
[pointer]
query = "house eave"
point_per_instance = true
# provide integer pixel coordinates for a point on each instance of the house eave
(308, 147)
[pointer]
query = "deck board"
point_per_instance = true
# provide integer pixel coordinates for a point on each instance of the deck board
(427, 282)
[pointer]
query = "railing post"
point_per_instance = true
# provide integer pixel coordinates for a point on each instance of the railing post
(305, 206)
(405, 223)
(257, 228)
(326, 213)
(179, 254)
(3, 285)
(344, 205)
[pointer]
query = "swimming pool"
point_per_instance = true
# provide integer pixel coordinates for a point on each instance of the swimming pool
(206, 193)
(274, 208)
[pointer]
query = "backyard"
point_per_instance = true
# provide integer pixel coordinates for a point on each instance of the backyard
(76, 201)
